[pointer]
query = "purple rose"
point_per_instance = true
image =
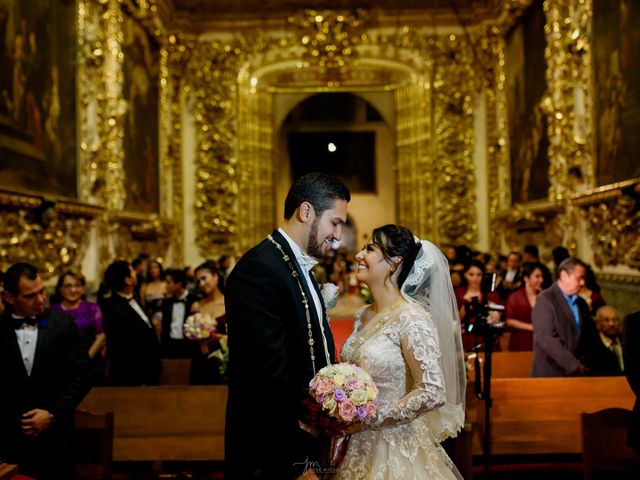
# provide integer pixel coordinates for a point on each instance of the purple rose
(339, 395)
(361, 412)
(320, 398)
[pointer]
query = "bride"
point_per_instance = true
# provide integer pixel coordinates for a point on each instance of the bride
(409, 340)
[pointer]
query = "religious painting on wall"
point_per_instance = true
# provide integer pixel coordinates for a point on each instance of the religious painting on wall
(141, 92)
(616, 60)
(38, 96)
(525, 84)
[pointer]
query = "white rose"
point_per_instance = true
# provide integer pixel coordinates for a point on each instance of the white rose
(329, 295)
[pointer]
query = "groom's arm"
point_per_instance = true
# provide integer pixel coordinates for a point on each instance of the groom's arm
(256, 303)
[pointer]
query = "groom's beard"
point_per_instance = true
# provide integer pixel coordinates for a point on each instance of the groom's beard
(313, 247)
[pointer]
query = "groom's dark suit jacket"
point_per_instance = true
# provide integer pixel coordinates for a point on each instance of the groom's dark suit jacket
(631, 354)
(59, 380)
(269, 365)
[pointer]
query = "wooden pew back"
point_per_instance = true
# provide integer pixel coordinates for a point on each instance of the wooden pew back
(164, 423)
(542, 415)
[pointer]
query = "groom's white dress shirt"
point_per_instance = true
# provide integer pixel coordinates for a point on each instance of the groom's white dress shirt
(306, 264)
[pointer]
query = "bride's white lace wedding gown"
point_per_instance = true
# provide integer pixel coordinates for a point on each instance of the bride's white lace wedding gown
(400, 351)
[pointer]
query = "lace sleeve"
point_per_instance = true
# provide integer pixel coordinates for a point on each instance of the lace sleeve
(422, 354)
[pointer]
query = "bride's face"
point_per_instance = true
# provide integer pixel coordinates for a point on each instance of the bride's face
(372, 266)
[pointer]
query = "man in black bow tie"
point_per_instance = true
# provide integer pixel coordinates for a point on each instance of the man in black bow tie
(44, 373)
(175, 310)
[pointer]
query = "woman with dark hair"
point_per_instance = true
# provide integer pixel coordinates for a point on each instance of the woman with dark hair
(519, 306)
(469, 298)
(208, 281)
(69, 298)
(153, 289)
(408, 340)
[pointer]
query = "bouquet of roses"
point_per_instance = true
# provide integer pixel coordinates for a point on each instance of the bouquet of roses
(340, 395)
(343, 394)
(199, 326)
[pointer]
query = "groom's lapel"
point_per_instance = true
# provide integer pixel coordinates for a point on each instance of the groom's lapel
(287, 249)
(325, 321)
(277, 236)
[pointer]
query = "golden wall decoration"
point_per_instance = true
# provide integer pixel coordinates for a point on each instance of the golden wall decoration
(102, 110)
(613, 219)
(569, 103)
(230, 85)
(454, 87)
(123, 236)
(53, 236)
(211, 84)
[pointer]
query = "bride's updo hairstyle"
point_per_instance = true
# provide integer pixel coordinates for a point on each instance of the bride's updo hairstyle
(397, 241)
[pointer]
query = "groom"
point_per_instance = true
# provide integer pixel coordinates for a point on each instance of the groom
(274, 342)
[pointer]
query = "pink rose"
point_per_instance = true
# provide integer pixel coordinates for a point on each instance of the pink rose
(347, 410)
(353, 384)
(314, 382)
(371, 409)
(324, 386)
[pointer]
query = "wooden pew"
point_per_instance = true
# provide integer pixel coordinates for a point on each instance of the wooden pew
(509, 364)
(542, 415)
(529, 416)
(163, 423)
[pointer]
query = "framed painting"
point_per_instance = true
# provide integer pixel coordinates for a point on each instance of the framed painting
(616, 62)
(38, 96)
(525, 83)
(141, 92)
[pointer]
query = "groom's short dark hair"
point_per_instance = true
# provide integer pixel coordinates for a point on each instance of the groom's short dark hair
(319, 189)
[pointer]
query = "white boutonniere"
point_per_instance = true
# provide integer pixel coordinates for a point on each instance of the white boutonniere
(329, 294)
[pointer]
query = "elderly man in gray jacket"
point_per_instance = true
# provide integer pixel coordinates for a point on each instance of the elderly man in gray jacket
(562, 325)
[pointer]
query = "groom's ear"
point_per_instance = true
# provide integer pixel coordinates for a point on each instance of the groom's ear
(305, 212)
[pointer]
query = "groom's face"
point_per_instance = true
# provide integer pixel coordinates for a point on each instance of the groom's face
(326, 228)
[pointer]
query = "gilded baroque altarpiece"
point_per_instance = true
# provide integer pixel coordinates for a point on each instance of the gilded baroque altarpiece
(55, 232)
(227, 81)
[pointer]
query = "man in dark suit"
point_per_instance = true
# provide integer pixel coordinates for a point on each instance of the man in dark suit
(175, 310)
(279, 335)
(132, 344)
(603, 356)
(562, 326)
(44, 373)
(631, 351)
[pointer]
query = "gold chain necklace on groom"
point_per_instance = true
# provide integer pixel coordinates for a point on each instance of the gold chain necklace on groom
(305, 301)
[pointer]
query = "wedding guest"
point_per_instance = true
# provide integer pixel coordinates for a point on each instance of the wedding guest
(631, 351)
(469, 298)
(532, 255)
(519, 306)
(559, 254)
(191, 280)
(562, 326)
(132, 345)
(69, 298)
(175, 310)
(44, 373)
(139, 265)
(153, 289)
(590, 292)
(512, 279)
(205, 369)
(604, 356)
(224, 267)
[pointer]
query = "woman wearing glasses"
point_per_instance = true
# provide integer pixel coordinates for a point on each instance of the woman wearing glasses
(70, 298)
